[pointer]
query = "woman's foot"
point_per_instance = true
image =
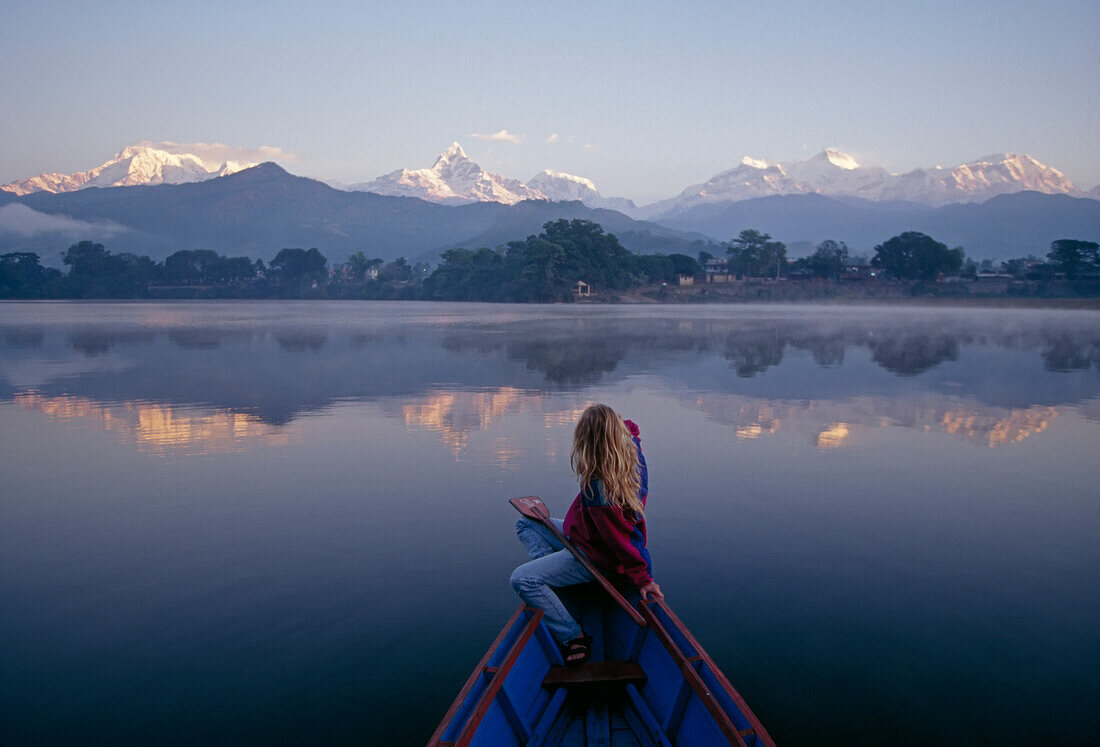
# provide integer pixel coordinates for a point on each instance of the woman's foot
(578, 650)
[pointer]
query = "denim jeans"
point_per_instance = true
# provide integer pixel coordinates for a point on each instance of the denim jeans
(551, 565)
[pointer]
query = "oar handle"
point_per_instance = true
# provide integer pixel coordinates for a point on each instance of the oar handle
(533, 508)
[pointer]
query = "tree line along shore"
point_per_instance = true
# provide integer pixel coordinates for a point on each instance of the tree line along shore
(568, 261)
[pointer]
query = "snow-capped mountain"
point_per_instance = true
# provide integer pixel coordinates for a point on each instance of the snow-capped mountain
(561, 187)
(834, 173)
(453, 179)
(997, 174)
(134, 165)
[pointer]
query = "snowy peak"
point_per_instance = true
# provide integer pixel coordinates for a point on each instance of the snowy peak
(558, 186)
(561, 187)
(454, 152)
(755, 163)
(837, 158)
(133, 165)
(453, 179)
(979, 180)
(833, 172)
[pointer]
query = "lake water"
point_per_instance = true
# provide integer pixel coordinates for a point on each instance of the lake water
(257, 522)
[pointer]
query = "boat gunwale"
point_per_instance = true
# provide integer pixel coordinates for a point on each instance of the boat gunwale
(473, 678)
(469, 730)
(722, 719)
(719, 675)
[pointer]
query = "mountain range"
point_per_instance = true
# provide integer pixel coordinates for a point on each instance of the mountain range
(836, 174)
(259, 210)
(154, 203)
(134, 165)
(455, 179)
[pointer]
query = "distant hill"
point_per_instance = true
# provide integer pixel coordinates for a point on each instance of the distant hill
(1006, 226)
(260, 210)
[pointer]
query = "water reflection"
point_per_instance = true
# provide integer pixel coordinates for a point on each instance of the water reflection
(830, 424)
(158, 428)
(987, 379)
(329, 482)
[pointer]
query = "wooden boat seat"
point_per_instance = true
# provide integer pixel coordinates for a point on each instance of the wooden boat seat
(595, 673)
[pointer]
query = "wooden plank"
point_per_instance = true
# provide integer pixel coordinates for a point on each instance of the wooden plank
(637, 727)
(514, 720)
(597, 725)
(679, 705)
(641, 708)
(597, 722)
(595, 672)
(542, 729)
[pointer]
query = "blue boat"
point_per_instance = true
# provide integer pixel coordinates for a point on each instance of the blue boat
(648, 682)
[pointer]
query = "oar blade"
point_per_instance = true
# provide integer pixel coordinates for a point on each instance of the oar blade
(531, 507)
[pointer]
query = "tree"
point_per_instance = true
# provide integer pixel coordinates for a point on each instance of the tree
(21, 276)
(1075, 258)
(829, 259)
(96, 273)
(466, 275)
(682, 264)
(88, 259)
(589, 254)
(1019, 266)
(190, 266)
(397, 271)
(915, 256)
(235, 269)
(544, 270)
(754, 254)
(298, 266)
(358, 265)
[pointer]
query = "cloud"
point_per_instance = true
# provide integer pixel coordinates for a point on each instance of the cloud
(552, 137)
(499, 137)
(24, 221)
(588, 146)
(214, 155)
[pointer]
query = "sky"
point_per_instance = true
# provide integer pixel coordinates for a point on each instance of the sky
(642, 97)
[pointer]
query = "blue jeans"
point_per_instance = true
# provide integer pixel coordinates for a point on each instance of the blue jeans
(551, 565)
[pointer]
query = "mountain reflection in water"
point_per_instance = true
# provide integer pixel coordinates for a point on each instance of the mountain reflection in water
(978, 377)
(285, 522)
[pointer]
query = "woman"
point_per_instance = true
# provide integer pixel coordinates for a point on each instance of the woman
(606, 522)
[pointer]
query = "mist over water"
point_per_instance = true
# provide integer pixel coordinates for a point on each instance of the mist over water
(287, 521)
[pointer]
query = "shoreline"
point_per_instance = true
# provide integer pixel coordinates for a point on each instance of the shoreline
(635, 299)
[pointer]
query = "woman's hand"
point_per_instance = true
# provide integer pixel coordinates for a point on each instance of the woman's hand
(651, 591)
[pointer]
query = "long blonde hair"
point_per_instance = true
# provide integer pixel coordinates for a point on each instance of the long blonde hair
(603, 449)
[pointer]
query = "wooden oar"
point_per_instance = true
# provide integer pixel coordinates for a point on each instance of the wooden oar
(533, 508)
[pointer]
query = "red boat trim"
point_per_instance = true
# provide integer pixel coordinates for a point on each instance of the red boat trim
(757, 727)
(474, 676)
(721, 718)
(491, 691)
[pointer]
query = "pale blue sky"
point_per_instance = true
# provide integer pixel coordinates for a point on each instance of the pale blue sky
(662, 94)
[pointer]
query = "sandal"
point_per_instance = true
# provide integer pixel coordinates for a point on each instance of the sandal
(578, 650)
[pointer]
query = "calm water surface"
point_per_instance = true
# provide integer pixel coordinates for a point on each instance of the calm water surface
(287, 521)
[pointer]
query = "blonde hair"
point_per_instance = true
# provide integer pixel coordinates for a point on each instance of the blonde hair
(603, 449)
